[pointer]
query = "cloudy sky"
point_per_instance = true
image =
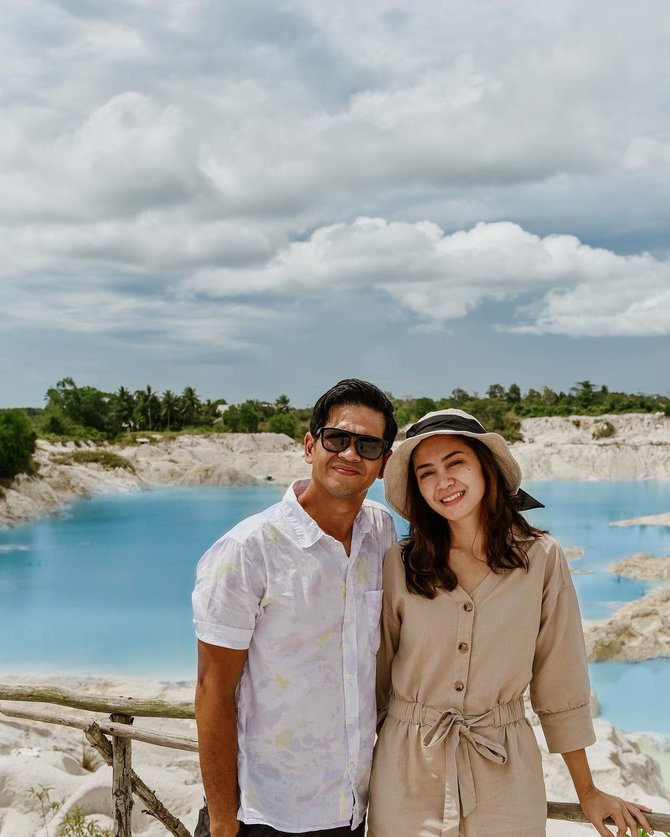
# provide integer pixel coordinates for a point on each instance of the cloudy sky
(257, 197)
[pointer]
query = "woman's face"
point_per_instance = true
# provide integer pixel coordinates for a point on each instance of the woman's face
(450, 477)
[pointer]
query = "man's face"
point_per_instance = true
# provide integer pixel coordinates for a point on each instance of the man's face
(347, 475)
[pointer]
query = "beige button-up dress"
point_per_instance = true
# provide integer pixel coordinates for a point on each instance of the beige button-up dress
(456, 756)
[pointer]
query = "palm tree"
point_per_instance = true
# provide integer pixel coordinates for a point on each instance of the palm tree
(147, 406)
(189, 405)
(124, 407)
(282, 404)
(169, 406)
(583, 392)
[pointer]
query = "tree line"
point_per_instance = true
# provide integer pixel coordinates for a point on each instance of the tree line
(84, 412)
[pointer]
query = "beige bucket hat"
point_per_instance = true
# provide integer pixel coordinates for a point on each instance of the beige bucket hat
(451, 422)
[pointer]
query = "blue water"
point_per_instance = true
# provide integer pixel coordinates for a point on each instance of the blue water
(105, 588)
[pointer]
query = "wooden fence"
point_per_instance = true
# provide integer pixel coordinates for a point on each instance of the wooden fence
(122, 712)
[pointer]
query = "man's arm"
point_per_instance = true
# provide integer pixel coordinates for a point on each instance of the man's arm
(219, 671)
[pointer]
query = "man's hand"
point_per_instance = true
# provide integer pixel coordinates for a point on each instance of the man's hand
(226, 830)
(204, 827)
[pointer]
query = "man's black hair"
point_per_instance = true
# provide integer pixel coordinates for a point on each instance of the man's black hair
(354, 391)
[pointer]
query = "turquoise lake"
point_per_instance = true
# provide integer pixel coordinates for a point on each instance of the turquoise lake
(105, 587)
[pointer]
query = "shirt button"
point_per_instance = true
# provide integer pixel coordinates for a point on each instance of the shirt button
(467, 606)
(463, 647)
(459, 686)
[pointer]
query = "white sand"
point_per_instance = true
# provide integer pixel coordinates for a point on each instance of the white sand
(644, 566)
(646, 520)
(39, 755)
(639, 630)
(569, 448)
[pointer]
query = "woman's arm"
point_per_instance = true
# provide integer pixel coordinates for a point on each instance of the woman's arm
(598, 805)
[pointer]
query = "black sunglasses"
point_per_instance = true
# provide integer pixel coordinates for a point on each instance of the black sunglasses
(336, 441)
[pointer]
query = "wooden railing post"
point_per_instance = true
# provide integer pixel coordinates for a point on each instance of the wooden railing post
(122, 787)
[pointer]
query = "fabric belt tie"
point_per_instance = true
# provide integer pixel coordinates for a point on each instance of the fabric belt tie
(457, 732)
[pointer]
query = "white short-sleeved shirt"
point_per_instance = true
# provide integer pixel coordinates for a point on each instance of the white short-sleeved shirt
(309, 615)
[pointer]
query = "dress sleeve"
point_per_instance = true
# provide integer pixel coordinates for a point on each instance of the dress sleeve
(560, 690)
(390, 630)
(227, 595)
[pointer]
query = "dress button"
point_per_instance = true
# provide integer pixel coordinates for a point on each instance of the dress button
(459, 686)
(467, 606)
(463, 647)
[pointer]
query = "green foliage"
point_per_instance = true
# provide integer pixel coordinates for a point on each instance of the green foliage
(169, 408)
(423, 406)
(249, 417)
(146, 414)
(84, 406)
(283, 423)
(17, 443)
(106, 458)
(56, 424)
(282, 404)
(74, 823)
(603, 430)
(496, 391)
(513, 394)
(584, 393)
(231, 419)
(85, 413)
(48, 807)
(189, 406)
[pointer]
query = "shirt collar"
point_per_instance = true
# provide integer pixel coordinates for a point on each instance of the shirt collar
(307, 529)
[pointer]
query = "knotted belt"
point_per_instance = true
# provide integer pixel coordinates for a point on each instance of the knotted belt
(458, 733)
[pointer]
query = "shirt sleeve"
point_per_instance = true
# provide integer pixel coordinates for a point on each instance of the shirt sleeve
(227, 595)
(560, 691)
(390, 633)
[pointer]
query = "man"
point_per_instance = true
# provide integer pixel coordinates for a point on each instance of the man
(287, 608)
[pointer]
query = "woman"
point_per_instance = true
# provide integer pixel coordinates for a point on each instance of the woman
(478, 604)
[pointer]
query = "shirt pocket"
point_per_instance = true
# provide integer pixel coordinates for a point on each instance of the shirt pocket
(373, 606)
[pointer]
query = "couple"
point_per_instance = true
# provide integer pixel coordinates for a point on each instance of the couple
(477, 605)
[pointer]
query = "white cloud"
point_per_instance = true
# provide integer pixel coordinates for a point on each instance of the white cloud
(254, 124)
(155, 157)
(164, 243)
(632, 305)
(579, 290)
(127, 156)
(131, 314)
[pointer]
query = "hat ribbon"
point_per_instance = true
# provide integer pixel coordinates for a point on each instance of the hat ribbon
(457, 423)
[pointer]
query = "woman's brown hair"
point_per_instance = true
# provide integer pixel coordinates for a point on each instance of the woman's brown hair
(425, 552)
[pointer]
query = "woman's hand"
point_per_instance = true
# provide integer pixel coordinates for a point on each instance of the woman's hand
(627, 816)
